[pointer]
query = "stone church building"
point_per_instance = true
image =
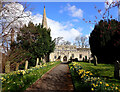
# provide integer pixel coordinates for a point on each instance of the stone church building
(65, 52)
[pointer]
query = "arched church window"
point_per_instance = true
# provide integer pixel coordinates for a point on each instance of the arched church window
(80, 56)
(73, 55)
(55, 57)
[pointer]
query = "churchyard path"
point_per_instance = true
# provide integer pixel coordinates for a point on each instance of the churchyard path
(57, 79)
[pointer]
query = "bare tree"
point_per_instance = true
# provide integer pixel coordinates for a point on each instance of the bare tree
(65, 42)
(12, 18)
(57, 40)
(81, 42)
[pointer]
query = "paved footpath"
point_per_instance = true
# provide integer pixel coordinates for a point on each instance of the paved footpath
(56, 80)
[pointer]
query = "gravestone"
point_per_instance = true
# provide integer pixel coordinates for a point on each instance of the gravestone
(89, 60)
(40, 64)
(7, 67)
(17, 66)
(37, 61)
(95, 61)
(26, 65)
(117, 70)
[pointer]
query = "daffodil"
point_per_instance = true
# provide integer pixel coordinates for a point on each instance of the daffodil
(116, 88)
(92, 89)
(107, 84)
(100, 82)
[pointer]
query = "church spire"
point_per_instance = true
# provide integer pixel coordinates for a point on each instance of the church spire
(44, 20)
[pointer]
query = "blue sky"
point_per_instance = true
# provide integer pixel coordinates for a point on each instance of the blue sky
(69, 15)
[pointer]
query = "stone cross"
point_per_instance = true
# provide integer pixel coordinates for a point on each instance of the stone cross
(7, 67)
(26, 65)
(117, 70)
(37, 61)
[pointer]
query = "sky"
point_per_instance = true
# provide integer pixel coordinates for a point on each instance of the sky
(66, 18)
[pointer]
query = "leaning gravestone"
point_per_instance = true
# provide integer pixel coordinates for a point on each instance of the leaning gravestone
(26, 65)
(37, 61)
(95, 61)
(7, 67)
(117, 70)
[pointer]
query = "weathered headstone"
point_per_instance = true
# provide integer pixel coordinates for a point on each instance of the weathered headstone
(95, 60)
(7, 67)
(117, 70)
(26, 65)
(17, 66)
(0, 61)
(40, 63)
(89, 60)
(83, 59)
(43, 60)
(37, 61)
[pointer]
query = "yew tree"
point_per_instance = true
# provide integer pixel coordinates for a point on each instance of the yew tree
(35, 40)
(105, 41)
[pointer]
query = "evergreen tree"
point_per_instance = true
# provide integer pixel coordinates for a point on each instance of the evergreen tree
(35, 40)
(105, 41)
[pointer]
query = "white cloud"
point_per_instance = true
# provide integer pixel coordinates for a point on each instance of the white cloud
(91, 28)
(61, 11)
(58, 29)
(74, 11)
(88, 35)
(75, 20)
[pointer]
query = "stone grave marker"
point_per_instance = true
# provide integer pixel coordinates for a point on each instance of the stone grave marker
(95, 60)
(89, 60)
(117, 70)
(37, 61)
(26, 65)
(17, 66)
(7, 67)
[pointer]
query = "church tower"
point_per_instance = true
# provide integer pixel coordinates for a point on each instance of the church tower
(44, 20)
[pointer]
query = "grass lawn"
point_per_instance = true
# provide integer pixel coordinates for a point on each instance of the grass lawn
(105, 71)
(17, 81)
(78, 85)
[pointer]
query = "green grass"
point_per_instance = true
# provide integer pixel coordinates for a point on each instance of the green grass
(78, 85)
(104, 71)
(17, 82)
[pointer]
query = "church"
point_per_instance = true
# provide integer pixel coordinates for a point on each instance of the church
(66, 52)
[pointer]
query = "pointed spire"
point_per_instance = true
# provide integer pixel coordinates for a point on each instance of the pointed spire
(44, 20)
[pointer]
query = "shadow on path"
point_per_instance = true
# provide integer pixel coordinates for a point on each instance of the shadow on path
(56, 80)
